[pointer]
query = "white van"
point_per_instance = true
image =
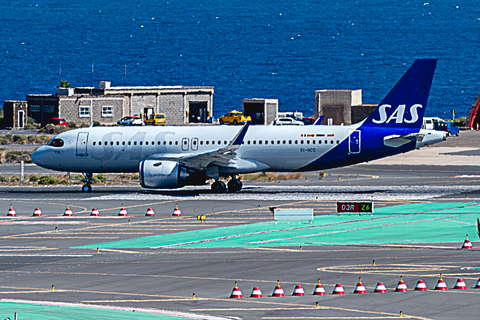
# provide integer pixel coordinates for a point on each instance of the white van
(427, 123)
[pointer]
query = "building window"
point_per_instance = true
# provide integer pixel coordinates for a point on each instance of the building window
(84, 112)
(107, 111)
(48, 109)
(34, 108)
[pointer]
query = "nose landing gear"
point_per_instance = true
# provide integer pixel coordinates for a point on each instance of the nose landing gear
(87, 187)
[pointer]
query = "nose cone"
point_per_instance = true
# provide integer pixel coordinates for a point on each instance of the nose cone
(39, 157)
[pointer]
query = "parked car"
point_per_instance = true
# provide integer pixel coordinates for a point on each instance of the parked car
(155, 119)
(287, 121)
(308, 121)
(130, 121)
(234, 117)
(56, 122)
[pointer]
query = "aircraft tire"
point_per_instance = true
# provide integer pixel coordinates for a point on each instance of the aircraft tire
(234, 185)
(219, 187)
(86, 188)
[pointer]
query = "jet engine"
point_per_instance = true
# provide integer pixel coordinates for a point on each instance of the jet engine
(167, 174)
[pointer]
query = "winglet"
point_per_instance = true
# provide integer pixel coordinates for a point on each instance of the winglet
(318, 122)
(241, 135)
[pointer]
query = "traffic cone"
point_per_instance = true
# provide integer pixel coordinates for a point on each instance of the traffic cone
(256, 293)
(278, 291)
(298, 291)
(420, 286)
(236, 293)
(95, 213)
(122, 212)
(177, 212)
(477, 286)
(380, 288)
(68, 212)
(401, 286)
(338, 289)
(11, 212)
(150, 213)
(460, 285)
(467, 244)
(360, 288)
(37, 212)
(441, 285)
(319, 290)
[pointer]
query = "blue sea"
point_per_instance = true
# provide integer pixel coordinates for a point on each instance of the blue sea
(245, 49)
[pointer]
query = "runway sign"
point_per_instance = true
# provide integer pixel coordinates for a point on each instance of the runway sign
(355, 207)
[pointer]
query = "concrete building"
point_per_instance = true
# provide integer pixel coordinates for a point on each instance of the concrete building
(262, 111)
(341, 106)
(107, 104)
(15, 114)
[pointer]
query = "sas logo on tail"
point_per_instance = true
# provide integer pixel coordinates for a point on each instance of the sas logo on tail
(398, 114)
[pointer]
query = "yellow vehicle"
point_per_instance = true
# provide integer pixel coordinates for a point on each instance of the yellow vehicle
(155, 119)
(234, 117)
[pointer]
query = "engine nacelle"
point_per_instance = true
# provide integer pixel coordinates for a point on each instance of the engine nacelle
(162, 174)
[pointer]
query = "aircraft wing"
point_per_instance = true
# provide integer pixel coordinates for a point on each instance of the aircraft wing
(221, 157)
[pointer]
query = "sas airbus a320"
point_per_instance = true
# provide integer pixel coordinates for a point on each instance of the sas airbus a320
(175, 156)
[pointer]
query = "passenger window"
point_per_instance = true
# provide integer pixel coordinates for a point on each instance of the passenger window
(153, 143)
(176, 143)
(219, 142)
(164, 142)
(301, 141)
(118, 143)
(170, 142)
(278, 141)
(308, 141)
(93, 142)
(313, 142)
(224, 142)
(296, 142)
(248, 142)
(111, 143)
(206, 142)
(123, 142)
(141, 142)
(284, 141)
(326, 142)
(254, 141)
(201, 142)
(273, 142)
(338, 142)
(331, 142)
(105, 143)
(289, 141)
(134, 143)
(129, 143)
(213, 142)
(266, 141)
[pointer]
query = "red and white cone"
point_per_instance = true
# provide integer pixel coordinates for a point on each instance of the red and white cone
(37, 212)
(460, 285)
(441, 285)
(236, 293)
(95, 213)
(68, 212)
(11, 212)
(401, 286)
(467, 244)
(319, 290)
(150, 213)
(338, 289)
(420, 286)
(177, 212)
(298, 291)
(380, 288)
(122, 212)
(256, 293)
(360, 288)
(477, 286)
(278, 291)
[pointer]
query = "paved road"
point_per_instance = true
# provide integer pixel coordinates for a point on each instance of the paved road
(33, 257)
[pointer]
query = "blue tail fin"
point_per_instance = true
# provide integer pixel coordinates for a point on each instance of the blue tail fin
(404, 106)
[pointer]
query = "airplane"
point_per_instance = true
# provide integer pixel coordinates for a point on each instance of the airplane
(176, 156)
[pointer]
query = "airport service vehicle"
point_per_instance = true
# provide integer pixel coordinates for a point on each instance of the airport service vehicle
(175, 156)
(155, 119)
(308, 121)
(234, 117)
(438, 124)
(56, 122)
(287, 121)
(130, 121)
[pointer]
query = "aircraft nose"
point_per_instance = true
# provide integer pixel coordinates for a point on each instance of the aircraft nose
(38, 156)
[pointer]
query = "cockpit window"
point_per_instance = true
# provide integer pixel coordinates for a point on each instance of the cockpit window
(57, 143)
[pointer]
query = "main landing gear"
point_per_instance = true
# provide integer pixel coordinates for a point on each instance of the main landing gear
(234, 185)
(87, 187)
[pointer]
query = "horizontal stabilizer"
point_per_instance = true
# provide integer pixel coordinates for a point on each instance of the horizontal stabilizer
(396, 141)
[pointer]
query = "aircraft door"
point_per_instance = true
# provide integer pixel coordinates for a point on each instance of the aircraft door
(185, 144)
(354, 142)
(194, 144)
(82, 139)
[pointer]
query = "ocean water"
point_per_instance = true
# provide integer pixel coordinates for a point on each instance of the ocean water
(245, 49)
